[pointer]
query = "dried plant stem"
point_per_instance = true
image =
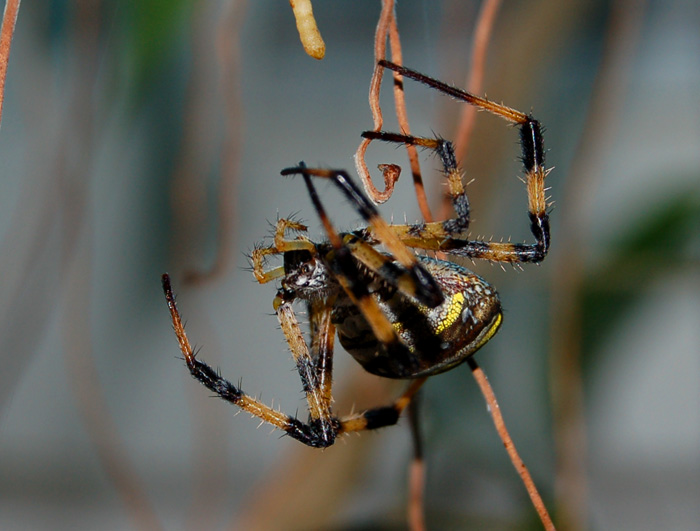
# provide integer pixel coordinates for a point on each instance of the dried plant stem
(9, 19)
(387, 26)
(402, 116)
(375, 85)
(416, 495)
(77, 252)
(482, 37)
(475, 80)
(495, 411)
(416, 472)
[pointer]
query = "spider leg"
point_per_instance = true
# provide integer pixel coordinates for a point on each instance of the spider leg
(322, 428)
(281, 245)
(381, 264)
(512, 115)
(315, 374)
(400, 362)
(455, 188)
(380, 417)
(322, 340)
(440, 236)
(257, 258)
(427, 289)
(315, 371)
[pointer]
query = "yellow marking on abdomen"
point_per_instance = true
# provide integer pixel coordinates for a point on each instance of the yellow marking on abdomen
(451, 314)
(491, 331)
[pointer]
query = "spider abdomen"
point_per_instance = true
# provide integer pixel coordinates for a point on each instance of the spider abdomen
(431, 340)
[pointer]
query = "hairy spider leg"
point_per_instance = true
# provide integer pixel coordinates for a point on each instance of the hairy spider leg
(344, 267)
(427, 289)
(381, 264)
(437, 230)
(323, 335)
(281, 245)
(320, 432)
(316, 375)
(440, 236)
(362, 250)
(317, 379)
(380, 417)
(322, 345)
(341, 259)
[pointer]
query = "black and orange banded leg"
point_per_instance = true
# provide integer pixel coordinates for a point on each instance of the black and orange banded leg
(343, 262)
(440, 236)
(281, 245)
(321, 429)
(316, 374)
(382, 416)
(345, 269)
(427, 290)
(455, 188)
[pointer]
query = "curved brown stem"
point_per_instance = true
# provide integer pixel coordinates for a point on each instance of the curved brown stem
(416, 472)
(387, 25)
(523, 472)
(7, 30)
(375, 85)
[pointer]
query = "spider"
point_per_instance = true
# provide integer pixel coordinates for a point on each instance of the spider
(400, 314)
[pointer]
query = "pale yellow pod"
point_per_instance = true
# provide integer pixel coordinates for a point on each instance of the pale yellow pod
(310, 37)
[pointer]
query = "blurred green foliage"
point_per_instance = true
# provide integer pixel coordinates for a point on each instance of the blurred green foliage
(153, 29)
(667, 238)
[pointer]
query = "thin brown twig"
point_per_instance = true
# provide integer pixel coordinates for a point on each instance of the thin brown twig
(416, 472)
(88, 393)
(402, 116)
(495, 411)
(475, 80)
(387, 26)
(195, 154)
(76, 264)
(9, 20)
(375, 85)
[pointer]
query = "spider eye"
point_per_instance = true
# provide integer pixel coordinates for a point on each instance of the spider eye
(293, 259)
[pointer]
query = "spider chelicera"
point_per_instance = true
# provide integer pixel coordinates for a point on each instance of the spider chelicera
(399, 314)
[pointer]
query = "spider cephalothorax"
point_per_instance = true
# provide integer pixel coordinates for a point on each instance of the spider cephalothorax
(398, 313)
(307, 276)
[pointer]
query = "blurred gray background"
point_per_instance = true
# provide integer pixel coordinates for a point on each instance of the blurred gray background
(144, 137)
